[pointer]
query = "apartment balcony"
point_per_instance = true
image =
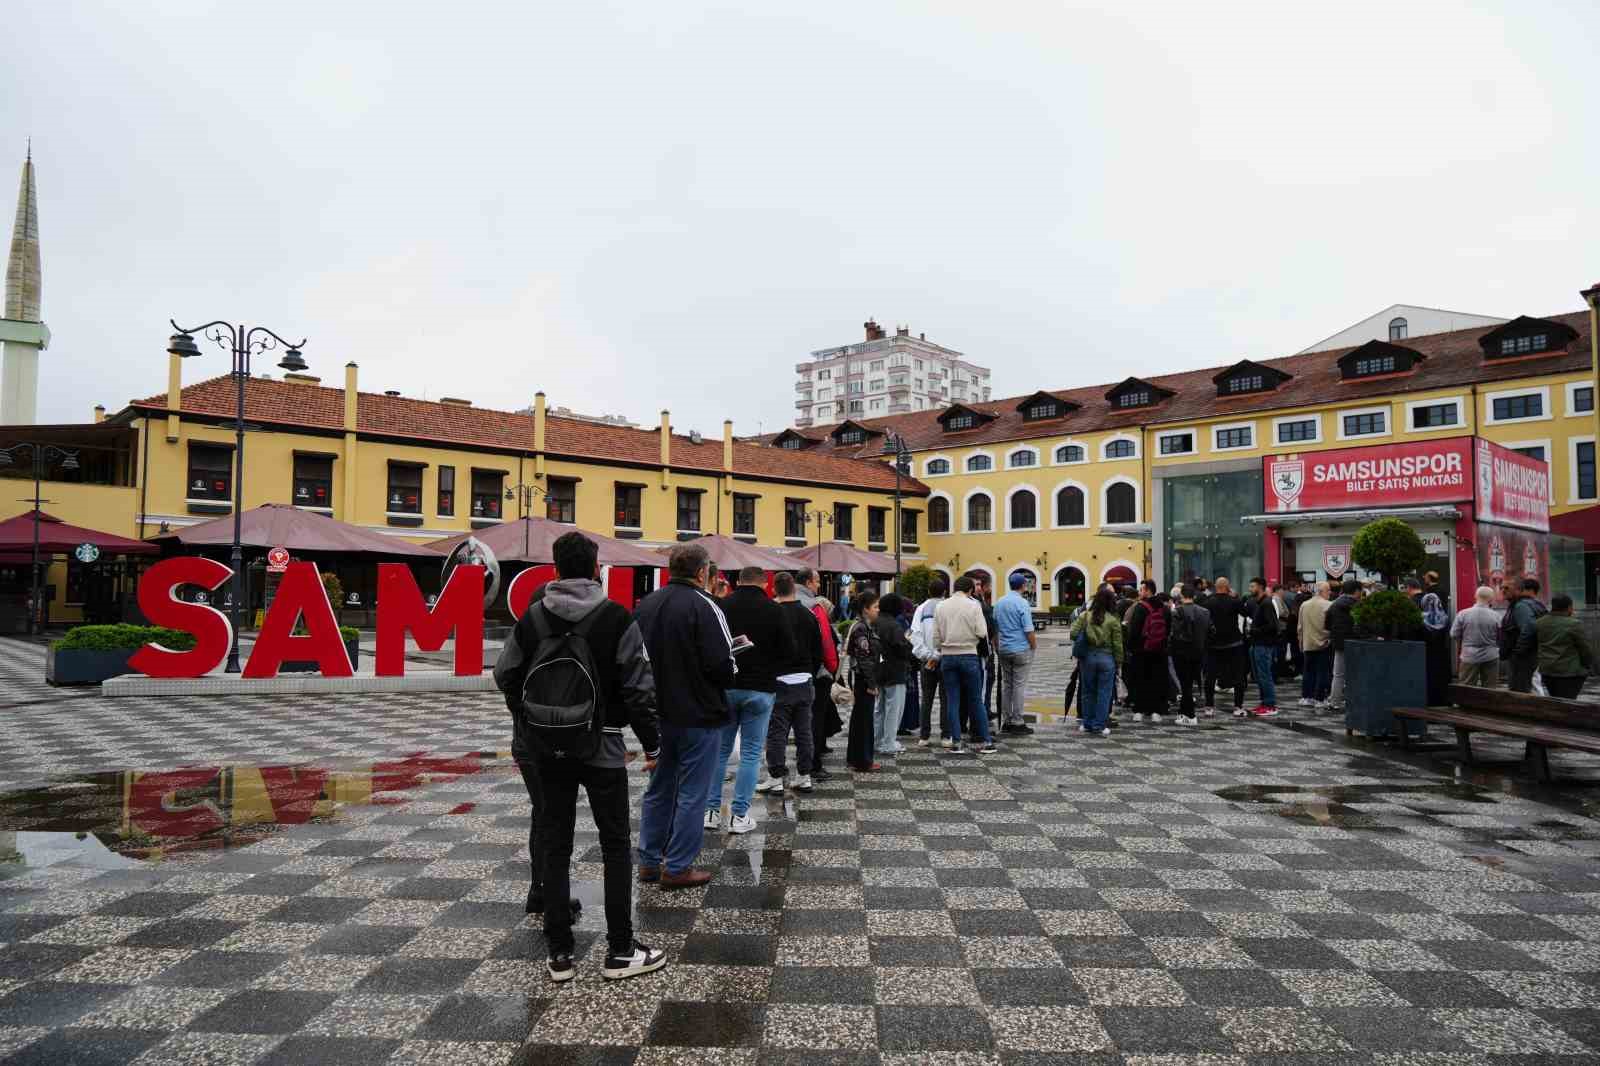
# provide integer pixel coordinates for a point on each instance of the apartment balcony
(899, 408)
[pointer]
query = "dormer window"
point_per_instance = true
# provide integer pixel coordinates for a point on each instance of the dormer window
(1037, 411)
(1245, 383)
(959, 416)
(1526, 336)
(790, 444)
(1376, 358)
(1383, 364)
(852, 436)
(1139, 398)
(1136, 393)
(955, 422)
(1042, 406)
(1536, 342)
(1246, 377)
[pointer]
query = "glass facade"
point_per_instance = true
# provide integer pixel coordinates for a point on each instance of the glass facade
(1201, 532)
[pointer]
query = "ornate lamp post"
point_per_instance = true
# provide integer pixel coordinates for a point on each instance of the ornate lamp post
(525, 495)
(241, 342)
(894, 444)
(42, 454)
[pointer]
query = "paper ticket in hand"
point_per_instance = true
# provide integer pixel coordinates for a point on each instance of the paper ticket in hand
(742, 643)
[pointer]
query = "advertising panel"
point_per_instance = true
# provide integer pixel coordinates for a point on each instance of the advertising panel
(1505, 552)
(1382, 475)
(1512, 489)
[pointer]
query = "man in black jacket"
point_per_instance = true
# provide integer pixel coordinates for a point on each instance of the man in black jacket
(691, 655)
(1341, 627)
(792, 705)
(753, 617)
(625, 695)
(1225, 656)
(1264, 638)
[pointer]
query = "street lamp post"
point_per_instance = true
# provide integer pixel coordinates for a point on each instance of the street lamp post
(42, 453)
(525, 495)
(894, 444)
(241, 342)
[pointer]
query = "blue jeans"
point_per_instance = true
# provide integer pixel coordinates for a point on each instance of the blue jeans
(670, 825)
(1318, 677)
(1262, 659)
(752, 711)
(1096, 685)
(963, 685)
(891, 705)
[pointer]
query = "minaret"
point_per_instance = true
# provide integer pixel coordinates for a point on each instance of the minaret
(22, 333)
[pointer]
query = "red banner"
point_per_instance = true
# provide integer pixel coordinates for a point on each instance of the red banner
(1513, 489)
(1381, 475)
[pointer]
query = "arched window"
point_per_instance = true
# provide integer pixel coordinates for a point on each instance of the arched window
(1397, 329)
(1119, 449)
(1024, 509)
(979, 462)
(1022, 457)
(1069, 453)
(938, 515)
(980, 513)
(1121, 504)
(1071, 587)
(938, 466)
(1069, 506)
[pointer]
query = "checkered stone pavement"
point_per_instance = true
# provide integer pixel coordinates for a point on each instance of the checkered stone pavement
(1222, 896)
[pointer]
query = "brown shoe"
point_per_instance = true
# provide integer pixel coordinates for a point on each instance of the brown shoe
(690, 878)
(649, 875)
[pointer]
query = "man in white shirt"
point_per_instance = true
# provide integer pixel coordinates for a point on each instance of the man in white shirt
(931, 680)
(1476, 632)
(958, 626)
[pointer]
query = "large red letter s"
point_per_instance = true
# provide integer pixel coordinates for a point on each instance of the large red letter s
(212, 632)
(458, 610)
(300, 593)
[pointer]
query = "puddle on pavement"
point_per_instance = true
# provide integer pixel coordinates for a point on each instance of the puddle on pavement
(133, 814)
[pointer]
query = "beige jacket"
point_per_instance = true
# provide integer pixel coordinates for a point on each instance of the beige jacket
(1314, 623)
(958, 625)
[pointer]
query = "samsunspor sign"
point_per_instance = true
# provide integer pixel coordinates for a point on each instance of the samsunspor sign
(300, 626)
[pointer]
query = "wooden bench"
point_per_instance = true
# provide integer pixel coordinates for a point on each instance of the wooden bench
(1543, 722)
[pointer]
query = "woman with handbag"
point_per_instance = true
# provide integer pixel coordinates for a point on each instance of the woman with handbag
(866, 655)
(1097, 645)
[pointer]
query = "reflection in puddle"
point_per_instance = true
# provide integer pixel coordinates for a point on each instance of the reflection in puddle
(147, 814)
(20, 852)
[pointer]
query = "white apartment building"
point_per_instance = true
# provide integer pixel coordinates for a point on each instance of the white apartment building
(884, 375)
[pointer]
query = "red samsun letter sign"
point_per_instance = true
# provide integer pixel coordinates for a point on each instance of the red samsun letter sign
(459, 610)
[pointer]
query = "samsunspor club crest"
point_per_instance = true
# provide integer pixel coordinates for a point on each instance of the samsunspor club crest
(1288, 478)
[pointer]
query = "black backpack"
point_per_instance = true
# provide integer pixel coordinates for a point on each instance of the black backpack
(561, 713)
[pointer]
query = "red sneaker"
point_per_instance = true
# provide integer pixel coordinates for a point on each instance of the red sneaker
(1265, 712)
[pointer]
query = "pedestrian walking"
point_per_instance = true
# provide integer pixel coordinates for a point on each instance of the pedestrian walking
(1097, 644)
(1476, 632)
(1265, 637)
(866, 657)
(927, 653)
(958, 626)
(791, 705)
(1017, 643)
(1341, 628)
(1190, 632)
(893, 673)
(1228, 663)
(574, 650)
(691, 655)
(1565, 657)
(1316, 652)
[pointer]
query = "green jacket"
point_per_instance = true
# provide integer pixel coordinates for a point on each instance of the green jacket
(1563, 649)
(1106, 636)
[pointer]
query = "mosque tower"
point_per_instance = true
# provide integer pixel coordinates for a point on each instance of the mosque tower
(23, 334)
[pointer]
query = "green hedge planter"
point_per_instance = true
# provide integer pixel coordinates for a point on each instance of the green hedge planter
(81, 667)
(88, 655)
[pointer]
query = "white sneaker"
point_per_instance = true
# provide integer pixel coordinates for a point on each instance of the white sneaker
(773, 785)
(1240, 712)
(1105, 732)
(1138, 718)
(1156, 718)
(1082, 728)
(741, 823)
(713, 820)
(1209, 712)
(1186, 719)
(643, 959)
(803, 783)
(898, 749)
(946, 744)
(1305, 703)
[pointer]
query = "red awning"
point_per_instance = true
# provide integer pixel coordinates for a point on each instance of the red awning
(837, 558)
(275, 525)
(56, 536)
(528, 540)
(1583, 523)
(732, 555)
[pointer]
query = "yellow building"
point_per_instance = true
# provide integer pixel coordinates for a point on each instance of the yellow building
(1155, 476)
(423, 470)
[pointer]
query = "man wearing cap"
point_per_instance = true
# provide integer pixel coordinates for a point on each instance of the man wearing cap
(1013, 620)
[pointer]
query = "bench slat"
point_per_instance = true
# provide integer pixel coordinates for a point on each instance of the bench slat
(1504, 703)
(1580, 739)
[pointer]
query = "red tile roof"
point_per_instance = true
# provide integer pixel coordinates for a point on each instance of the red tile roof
(286, 403)
(1453, 360)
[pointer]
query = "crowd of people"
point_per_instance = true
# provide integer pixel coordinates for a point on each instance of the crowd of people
(704, 666)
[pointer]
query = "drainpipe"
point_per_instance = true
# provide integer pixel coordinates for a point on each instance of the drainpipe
(144, 477)
(538, 435)
(352, 409)
(666, 447)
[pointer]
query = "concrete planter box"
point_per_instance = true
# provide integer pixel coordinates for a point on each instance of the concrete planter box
(304, 666)
(1380, 675)
(81, 666)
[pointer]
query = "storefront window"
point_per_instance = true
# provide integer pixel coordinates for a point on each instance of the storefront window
(1201, 529)
(405, 489)
(313, 481)
(486, 494)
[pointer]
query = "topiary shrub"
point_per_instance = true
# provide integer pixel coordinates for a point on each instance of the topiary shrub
(1390, 547)
(334, 588)
(914, 582)
(123, 637)
(1389, 615)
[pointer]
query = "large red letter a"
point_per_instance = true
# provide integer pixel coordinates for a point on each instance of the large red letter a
(300, 593)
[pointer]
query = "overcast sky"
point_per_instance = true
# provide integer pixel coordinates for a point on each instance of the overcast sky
(645, 205)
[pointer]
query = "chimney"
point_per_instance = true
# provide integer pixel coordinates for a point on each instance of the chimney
(99, 412)
(351, 404)
(727, 450)
(538, 433)
(303, 379)
(666, 445)
(902, 331)
(454, 401)
(922, 336)
(174, 394)
(874, 331)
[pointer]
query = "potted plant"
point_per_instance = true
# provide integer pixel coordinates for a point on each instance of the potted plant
(88, 655)
(352, 644)
(1385, 667)
(915, 580)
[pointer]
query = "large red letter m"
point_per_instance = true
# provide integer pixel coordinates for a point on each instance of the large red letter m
(402, 610)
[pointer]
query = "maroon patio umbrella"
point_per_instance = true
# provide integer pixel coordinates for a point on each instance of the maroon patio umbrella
(835, 557)
(528, 540)
(275, 525)
(732, 555)
(56, 536)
